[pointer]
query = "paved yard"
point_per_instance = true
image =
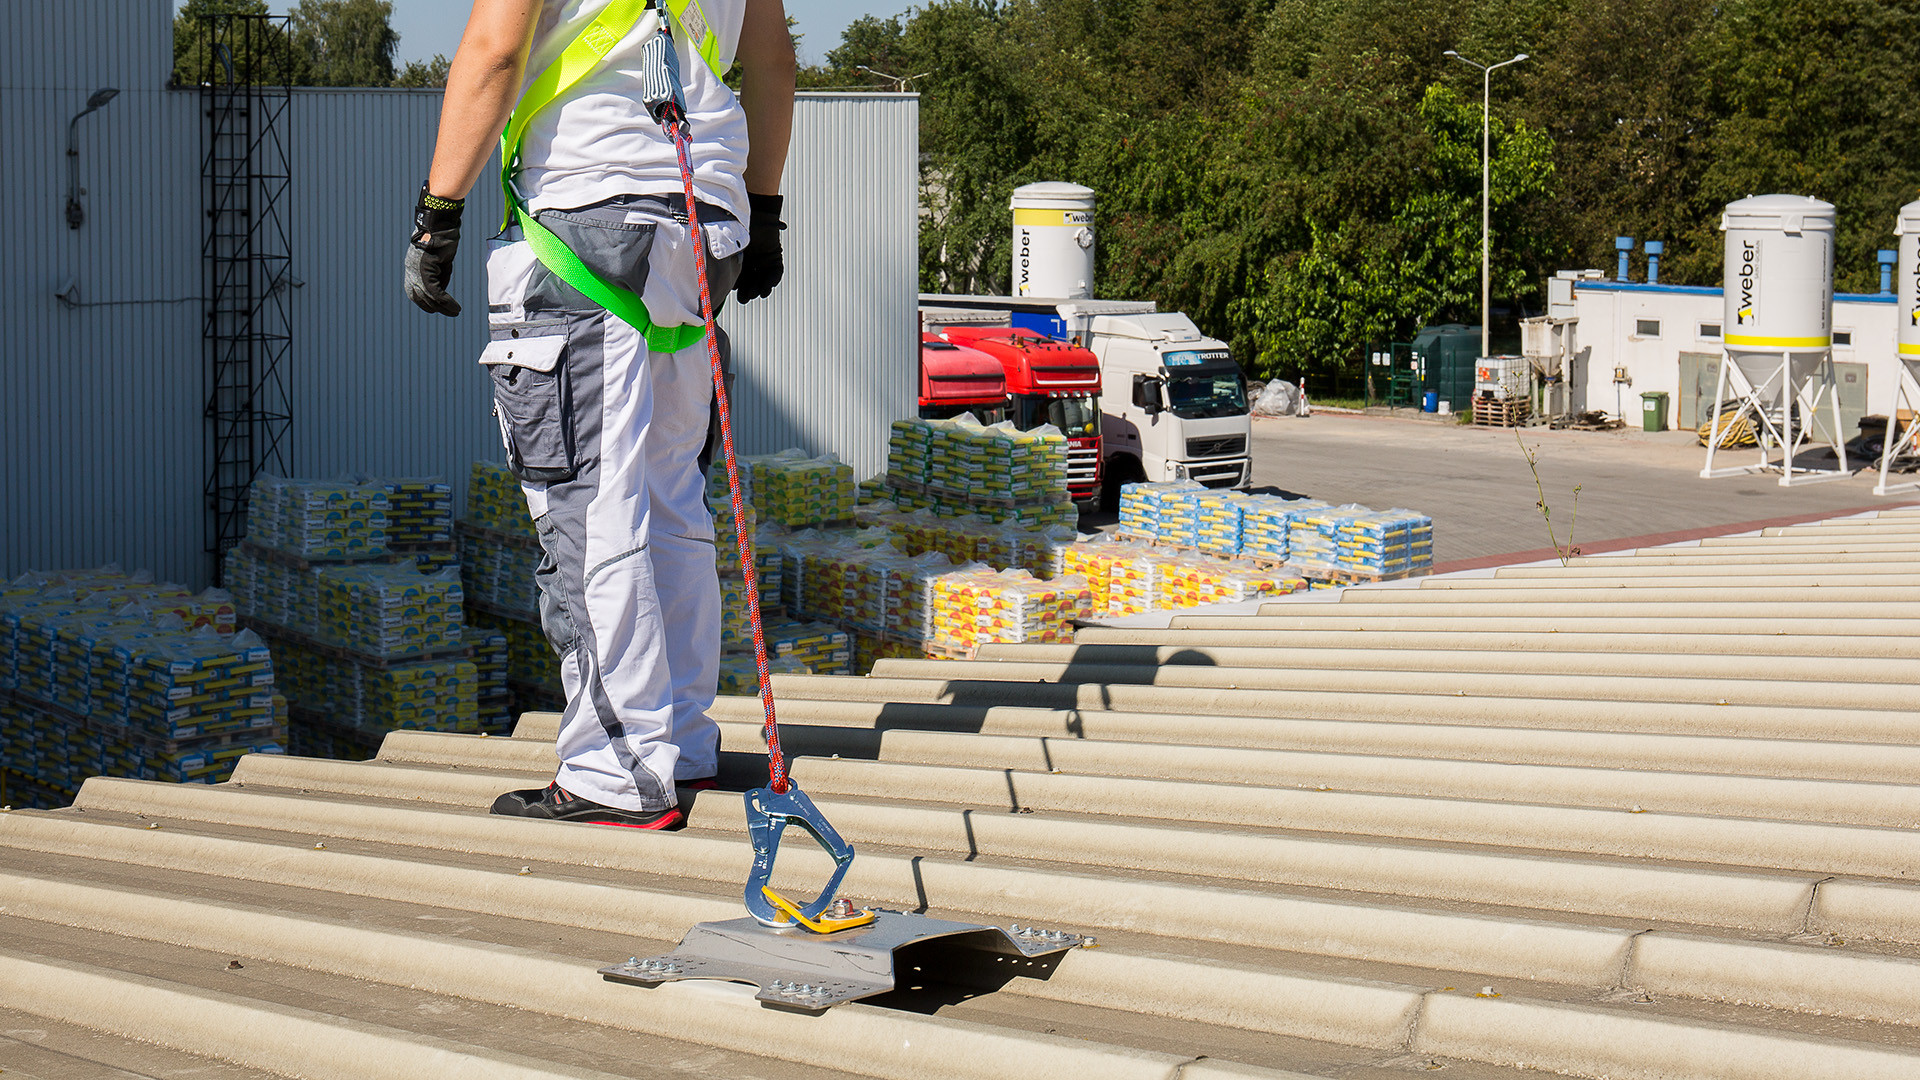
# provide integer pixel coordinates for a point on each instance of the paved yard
(1475, 484)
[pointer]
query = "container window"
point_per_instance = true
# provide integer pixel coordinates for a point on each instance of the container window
(1646, 328)
(1709, 331)
(1843, 337)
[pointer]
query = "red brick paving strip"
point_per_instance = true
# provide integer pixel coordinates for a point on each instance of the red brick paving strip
(1598, 547)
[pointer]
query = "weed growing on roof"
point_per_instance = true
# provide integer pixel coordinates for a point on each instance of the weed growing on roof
(1566, 553)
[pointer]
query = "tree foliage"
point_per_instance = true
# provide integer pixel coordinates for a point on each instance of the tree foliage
(344, 42)
(1303, 176)
(321, 43)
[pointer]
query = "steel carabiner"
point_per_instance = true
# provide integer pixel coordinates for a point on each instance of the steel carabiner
(769, 813)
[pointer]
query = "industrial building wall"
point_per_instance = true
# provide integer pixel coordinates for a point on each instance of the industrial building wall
(1609, 335)
(100, 418)
(832, 357)
(104, 436)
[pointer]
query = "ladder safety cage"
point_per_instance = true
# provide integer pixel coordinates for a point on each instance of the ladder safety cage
(245, 65)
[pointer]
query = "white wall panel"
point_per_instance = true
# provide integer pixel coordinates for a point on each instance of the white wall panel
(103, 432)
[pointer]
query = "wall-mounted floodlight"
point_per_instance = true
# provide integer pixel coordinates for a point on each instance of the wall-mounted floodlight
(76, 214)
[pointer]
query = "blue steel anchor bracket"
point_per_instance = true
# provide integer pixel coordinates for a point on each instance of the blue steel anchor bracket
(769, 813)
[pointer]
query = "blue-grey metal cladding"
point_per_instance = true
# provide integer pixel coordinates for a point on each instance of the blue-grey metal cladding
(832, 357)
(102, 407)
(100, 413)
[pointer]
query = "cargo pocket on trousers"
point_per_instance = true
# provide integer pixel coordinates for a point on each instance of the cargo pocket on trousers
(531, 398)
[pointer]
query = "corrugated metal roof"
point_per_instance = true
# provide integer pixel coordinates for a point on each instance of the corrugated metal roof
(1650, 815)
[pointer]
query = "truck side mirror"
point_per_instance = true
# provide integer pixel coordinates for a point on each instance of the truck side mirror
(1146, 394)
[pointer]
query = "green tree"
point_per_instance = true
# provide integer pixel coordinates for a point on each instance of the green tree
(251, 50)
(344, 42)
(1813, 97)
(424, 73)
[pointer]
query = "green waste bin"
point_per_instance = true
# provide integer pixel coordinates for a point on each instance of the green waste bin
(1653, 410)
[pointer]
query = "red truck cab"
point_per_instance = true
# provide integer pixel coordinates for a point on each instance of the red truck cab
(1048, 382)
(955, 379)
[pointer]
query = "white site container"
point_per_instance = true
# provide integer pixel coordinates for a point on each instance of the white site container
(1053, 241)
(1779, 274)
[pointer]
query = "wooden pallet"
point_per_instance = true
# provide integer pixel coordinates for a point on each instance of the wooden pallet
(1509, 413)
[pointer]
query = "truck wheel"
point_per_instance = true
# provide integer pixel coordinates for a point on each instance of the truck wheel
(1119, 470)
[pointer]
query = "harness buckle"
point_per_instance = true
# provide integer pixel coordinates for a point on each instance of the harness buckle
(769, 813)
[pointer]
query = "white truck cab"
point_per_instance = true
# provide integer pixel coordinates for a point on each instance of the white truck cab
(1173, 402)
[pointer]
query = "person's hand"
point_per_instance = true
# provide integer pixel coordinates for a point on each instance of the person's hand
(761, 264)
(436, 236)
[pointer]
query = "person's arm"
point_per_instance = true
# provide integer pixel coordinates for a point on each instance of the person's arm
(482, 88)
(765, 55)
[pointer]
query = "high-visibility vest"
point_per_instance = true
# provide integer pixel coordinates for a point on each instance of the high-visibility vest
(586, 52)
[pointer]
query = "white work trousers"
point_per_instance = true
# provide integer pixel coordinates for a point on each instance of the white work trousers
(608, 437)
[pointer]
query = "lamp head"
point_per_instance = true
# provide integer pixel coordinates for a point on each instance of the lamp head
(1518, 58)
(102, 96)
(1451, 53)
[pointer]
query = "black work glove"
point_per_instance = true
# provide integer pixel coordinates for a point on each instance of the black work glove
(761, 264)
(436, 236)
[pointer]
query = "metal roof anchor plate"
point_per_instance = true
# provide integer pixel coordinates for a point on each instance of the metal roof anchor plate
(798, 968)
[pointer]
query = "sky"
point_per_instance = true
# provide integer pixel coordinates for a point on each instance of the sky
(427, 27)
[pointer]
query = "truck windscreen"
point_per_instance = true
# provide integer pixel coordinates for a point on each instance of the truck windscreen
(1076, 417)
(1198, 394)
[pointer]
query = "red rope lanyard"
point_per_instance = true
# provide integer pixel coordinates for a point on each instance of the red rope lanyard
(676, 129)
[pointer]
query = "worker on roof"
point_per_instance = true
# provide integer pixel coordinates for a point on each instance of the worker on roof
(605, 402)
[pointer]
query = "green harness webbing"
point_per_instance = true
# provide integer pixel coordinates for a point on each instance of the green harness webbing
(582, 55)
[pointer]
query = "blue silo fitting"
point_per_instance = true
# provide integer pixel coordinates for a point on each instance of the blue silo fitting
(1623, 245)
(1655, 249)
(1887, 259)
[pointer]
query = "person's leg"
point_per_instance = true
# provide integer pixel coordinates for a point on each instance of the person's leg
(682, 551)
(598, 600)
(629, 596)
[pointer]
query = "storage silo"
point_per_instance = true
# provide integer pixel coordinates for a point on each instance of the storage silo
(1900, 439)
(1778, 332)
(1779, 274)
(1906, 284)
(1053, 240)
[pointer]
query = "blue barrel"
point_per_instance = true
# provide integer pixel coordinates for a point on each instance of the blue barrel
(1432, 403)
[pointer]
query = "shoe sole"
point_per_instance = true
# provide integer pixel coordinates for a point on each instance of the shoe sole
(666, 821)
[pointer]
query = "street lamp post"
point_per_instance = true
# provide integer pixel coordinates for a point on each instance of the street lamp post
(900, 82)
(1486, 213)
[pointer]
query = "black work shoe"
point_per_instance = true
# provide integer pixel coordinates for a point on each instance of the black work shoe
(555, 804)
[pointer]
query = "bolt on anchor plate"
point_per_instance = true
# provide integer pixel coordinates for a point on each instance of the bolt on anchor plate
(800, 969)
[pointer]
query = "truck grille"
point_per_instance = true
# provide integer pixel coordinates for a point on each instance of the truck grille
(1216, 476)
(1217, 447)
(1083, 464)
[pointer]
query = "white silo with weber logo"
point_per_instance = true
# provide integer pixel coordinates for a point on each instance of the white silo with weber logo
(1907, 285)
(1053, 240)
(1778, 374)
(1779, 274)
(1902, 437)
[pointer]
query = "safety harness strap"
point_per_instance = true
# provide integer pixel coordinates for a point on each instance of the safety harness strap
(581, 57)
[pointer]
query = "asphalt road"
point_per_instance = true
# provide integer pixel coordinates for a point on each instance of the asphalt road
(1475, 484)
